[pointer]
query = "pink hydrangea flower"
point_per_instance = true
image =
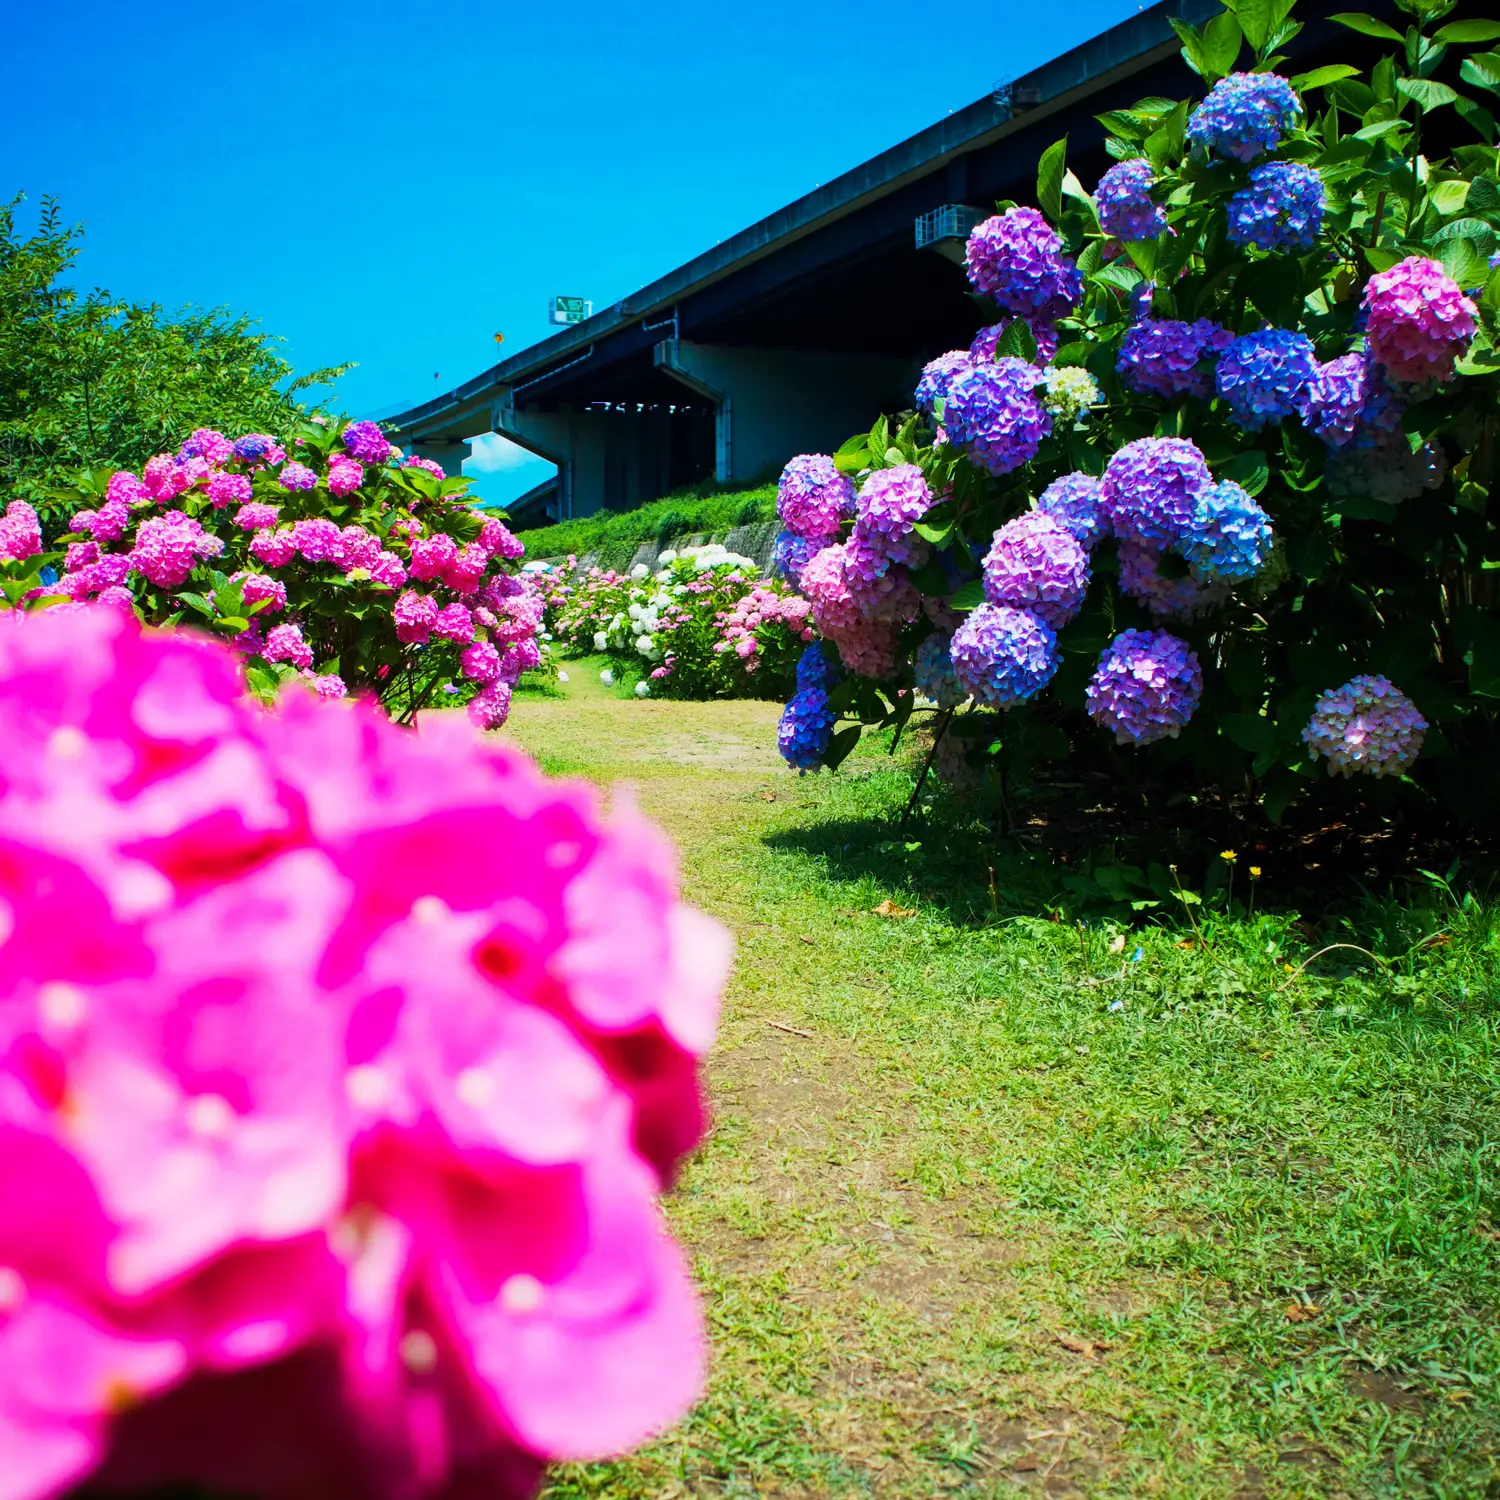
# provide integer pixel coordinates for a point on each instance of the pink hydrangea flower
(256, 586)
(481, 662)
(295, 476)
(81, 555)
(462, 575)
(415, 616)
(285, 643)
(1419, 323)
(229, 489)
(389, 570)
(498, 540)
(164, 477)
(344, 475)
(432, 556)
(167, 548)
(212, 447)
(20, 532)
(454, 622)
(490, 707)
(125, 489)
(316, 539)
(432, 467)
(274, 548)
(518, 657)
(256, 516)
(355, 548)
(328, 685)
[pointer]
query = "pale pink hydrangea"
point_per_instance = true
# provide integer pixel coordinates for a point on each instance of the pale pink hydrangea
(256, 516)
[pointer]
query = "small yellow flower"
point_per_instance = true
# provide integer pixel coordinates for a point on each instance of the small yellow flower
(1255, 872)
(1228, 856)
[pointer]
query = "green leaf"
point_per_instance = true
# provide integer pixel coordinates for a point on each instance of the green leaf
(1192, 43)
(1464, 261)
(1256, 18)
(1146, 254)
(1250, 731)
(1017, 342)
(1368, 26)
(1222, 39)
(1483, 69)
(969, 596)
(937, 535)
(1484, 656)
(840, 746)
(1426, 93)
(1049, 178)
(1449, 197)
(1320, 77)
(1468, 31)
(1248, 470)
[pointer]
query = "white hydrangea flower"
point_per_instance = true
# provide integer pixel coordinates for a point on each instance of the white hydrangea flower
(667, 558)
(1070, 392)
(640, 570)
(607, 677)
(643, 689)
(601, 641)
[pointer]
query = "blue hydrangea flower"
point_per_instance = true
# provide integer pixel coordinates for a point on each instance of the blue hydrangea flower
(1245, 115)
(1141, 579)
(1230, 535)
(1124, 198)
(252, 446)
(1280, 209)
(1073, 502)
(1003, 656)
(1141, 295)
(1151, 489)
(1367, 726)
(1262, 376)
(1347, 397)
(1146, 687)
(937, 376)
(791, 553)
(1035, 564)
(1166, 357)
(1381, 466)
(805, 729)
(936, 679)
(994, 413)
(817, 669)
(1016, 258)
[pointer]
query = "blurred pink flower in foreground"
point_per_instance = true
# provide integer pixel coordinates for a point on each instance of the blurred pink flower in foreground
(340, 1069)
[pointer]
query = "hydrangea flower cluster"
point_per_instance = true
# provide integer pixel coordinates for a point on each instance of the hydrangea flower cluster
(1016, 259)
(1126, 209)
(935, 677)
(343, 1067)
(791, 553)
(1280, 209)
(812, 497)
(889, 505)
(1036, 564)
(1244, 116)
(1070, 392)
(20, 532)
(744, 627)
(1142, 579)
(805, 728)
(1229, 537)
(987, 340)
(1380, 466)
(993, 413)
(1003, 656)
(1262, 376)
(1418, 323)
(1151, 489)
(1146, 687)
(1367, 727)
(1168, 358)
(938, 375)
(1333, 402)
(243, 507)
(1073, 501)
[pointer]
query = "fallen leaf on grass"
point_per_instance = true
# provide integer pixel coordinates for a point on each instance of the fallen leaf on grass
(782, 1026)
(1302, 1312)
(1117, 943)
(888, 908)
(808, 941)
(768, 796)
(1437, 940)
(1086, 1347)
(1187, 943)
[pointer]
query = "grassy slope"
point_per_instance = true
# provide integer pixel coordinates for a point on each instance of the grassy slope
(615, 536)
(966, 1229)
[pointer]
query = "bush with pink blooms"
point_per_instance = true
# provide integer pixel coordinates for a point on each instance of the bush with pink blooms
(329, 557)
(342, 1068)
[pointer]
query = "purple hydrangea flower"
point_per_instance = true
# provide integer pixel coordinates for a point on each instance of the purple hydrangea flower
(1035, 564)
(366, 442)
(1245, 115)
(1073, 502)
(1417, 320)
(1367, 726)
(1151, 489)
(1016, 259)
(1333, 400)
(815, 668)
(1281, 209)
(812, 497)
(295, 476)
(1003, 656)
(1262, 376)
(1043, 332)
(1146, 687)
(937, 376)
(889, 504)
(993, 412)
(1141, 295)
(252, 446)
(213, 447)
(1165, 357)
(1124, 198)
(791, 553)
(935, 677)
(1230, 535)
(1141, 579)
(805, 729)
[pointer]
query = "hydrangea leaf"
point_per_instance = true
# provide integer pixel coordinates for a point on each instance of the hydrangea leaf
(1368, 26)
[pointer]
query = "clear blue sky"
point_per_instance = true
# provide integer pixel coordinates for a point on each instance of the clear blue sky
(394, 184)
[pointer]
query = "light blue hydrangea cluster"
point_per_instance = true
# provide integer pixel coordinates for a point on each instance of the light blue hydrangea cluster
(805, 729)
(812, 497)
(817, 668)
(791, 553)
(1151, 490)
(1229, 537)
(1262, 376)
(1367, 727)
(935, 677)
(1003, 656)
(1036, 564)
(1142, 579)
(1244, 116)
(1016, 258)
(1073, 502)
(994, 413)
(937, 376)
(1280, 209)
(1166, 357)
(1124, 198)
(1146, 687)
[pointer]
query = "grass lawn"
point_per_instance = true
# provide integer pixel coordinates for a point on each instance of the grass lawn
(999, 1205)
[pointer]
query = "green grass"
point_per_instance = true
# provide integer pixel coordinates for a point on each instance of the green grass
(1016, 1207)
(615, 535)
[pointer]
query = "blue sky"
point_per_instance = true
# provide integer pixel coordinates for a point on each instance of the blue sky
(394, 184)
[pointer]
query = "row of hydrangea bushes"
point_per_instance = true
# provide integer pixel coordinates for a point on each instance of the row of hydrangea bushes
(1218, 475)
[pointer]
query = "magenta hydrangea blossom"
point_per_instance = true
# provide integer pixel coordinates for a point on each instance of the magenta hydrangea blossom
(1126, 209)
(285, 643)
(295, 476)
(1073, 501)
(316, 538)
(229, 489)
(432, 556)
(938, 375)
(366, 442)
(167, 548)
(1168, 358)
(812, 497)
(1332, 403)
(344, 475)
(430, 466)
(1146, 687)
(481, 662)
(1280, 209)
(1016, 259)
(1151, 488)
(274, 548)
(490, 707)
(1418, 322)
(1368, 727)
(993, 412)
(454, 622)
(256, 586)
(1037, 565)
(890, 502)
(1003, 656)
(1141, 579)
(1043, 332)
(20, 532)
(498, 540)
(164, 477)
(1245, 115)
(416, 614)
(1262, 377)
(212, 447)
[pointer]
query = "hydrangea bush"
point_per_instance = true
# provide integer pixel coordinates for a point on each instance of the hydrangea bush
(342, 1068)
(331, 558)
(1228, 442)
